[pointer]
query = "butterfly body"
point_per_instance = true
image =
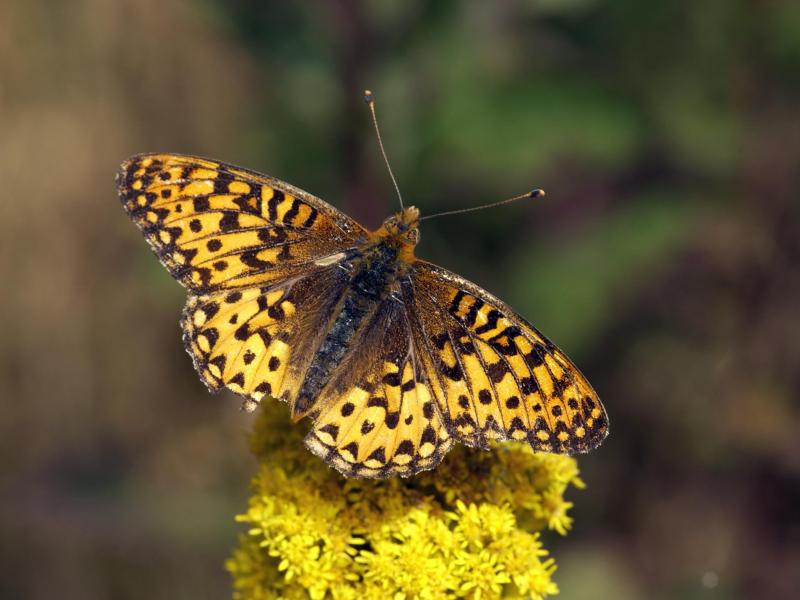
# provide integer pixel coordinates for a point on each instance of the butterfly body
(392, 358)
(372, 270)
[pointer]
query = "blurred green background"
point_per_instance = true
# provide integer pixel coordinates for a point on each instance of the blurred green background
(665, 260)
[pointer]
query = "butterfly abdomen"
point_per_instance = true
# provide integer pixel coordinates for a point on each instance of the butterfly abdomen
(372, 273)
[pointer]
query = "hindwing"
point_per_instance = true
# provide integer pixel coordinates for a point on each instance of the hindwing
(258, 341)
(379, 417)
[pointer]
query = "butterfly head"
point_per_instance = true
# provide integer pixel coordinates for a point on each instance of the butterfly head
(402, 228)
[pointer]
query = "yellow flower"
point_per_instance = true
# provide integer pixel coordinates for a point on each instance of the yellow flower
(468, 529)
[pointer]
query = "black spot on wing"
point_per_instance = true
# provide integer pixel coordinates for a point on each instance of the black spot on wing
(212, 334)
(276, 311)
(221, 182)
(528, 385)
(312, 217)
(456, 303)
(219, 362)
(392, 419)
(352, 449)
(379, 455)
(272, 204)
(331, 429)
(455, 373)
(210, 309)
(378, 401)
(491, 322)
(392, 379)
(535, 358)
(229, 221)
(428, 436)
(440, 340)
(472, 313)
(427, 410)
(405, 447)
(292, 213)
(497, 371)
(264, 388)
(250, 259)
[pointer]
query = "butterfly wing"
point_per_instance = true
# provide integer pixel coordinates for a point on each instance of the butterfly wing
(440, 359)
(258, 341)
(378, 416)
(494, 376)
(215, 226)
(258, 256)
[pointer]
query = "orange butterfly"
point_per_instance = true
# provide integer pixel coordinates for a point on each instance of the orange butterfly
(391, 357)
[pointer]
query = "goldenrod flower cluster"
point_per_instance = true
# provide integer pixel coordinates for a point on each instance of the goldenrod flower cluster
(468, 529)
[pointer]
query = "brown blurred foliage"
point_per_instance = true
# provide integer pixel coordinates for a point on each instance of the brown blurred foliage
(665, 260)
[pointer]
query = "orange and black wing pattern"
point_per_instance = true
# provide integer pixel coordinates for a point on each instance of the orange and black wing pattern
(216, 226)
(258, 341)
(259, 259)
(277, 280)
(379, 417)
(492, 374)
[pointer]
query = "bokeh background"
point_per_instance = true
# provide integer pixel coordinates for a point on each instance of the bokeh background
(665, 260)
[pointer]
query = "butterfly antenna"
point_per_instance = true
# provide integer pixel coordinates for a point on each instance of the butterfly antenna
(537, 193)
(370, 100)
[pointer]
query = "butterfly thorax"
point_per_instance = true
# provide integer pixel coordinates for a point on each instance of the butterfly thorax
(373, 270)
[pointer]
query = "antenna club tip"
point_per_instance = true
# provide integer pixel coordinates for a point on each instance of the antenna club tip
(368, 97)
(537, 193)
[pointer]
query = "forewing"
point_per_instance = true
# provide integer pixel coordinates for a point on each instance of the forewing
(216, 226)
(257, 341)
(495, 376)
(378, 416)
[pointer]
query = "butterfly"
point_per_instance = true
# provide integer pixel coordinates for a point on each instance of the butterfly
(393, 359)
